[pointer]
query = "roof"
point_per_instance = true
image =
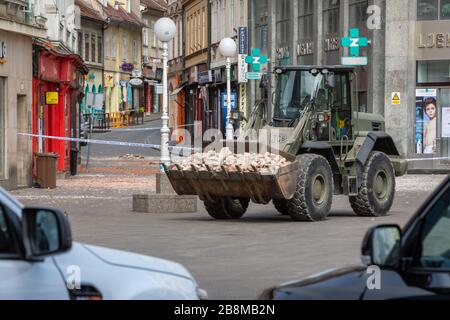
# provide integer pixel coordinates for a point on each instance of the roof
(121, 15)
(88, 11)
(159, 5)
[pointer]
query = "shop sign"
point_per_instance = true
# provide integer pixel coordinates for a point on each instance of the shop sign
(205, 77)
(2, 52)
(305, 48)
(127, 67)
(136, 82)
(354, 42)
(331, 44)
(445, 122)
(123, 83)
(396, 99)
(136, 73)
(243, 40)
(242, 54)
(52, 97)
(254, 75)
(218, 76)
(433, 40)
(109, 80)
(256, 61)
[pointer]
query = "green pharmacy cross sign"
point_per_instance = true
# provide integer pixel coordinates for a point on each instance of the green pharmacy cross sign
(354, 42)
(256, 60)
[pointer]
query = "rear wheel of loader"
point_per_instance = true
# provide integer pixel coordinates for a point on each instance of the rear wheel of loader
(282, 206)
(314, 195)
(377, 192)
(227, 208)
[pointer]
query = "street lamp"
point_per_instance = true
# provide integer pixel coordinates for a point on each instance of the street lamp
(165, 30)
(227, 48)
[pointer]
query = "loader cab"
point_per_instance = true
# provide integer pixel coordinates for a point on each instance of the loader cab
(326, 91)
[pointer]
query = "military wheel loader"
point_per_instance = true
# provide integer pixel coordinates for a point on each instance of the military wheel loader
(333, 149)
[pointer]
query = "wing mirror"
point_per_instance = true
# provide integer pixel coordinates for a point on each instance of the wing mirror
(381, 247)
(45, 232)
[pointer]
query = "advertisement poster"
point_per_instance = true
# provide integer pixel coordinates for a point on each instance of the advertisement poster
(445, 122)
(426, 113)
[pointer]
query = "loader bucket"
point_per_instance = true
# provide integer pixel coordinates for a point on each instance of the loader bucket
(261, 187)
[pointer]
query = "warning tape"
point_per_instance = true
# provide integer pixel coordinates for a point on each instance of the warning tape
(428, 159)
(149, 128)
(156, 147)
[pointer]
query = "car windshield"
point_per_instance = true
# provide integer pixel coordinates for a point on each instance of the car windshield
(294, 90)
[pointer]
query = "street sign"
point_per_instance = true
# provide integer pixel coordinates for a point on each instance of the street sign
(396, 98)
(354, 42)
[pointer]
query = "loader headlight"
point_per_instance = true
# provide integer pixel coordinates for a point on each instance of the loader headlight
(321, 117)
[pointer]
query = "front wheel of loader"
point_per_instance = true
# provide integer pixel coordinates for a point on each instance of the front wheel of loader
(376, 194)
(314, 196)
(227, 208)
(282, 206)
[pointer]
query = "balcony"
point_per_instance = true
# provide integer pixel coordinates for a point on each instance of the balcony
(20, 16)
(14, 10)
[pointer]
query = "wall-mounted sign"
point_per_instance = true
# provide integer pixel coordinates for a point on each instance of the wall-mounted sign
(354, 42)
(2, 52)
(331, 44)
(109, 80)
(136, 82)
(396, 99)
(127, 67)
(242, 54)
(305, 48)
(205, 77)
(136, 73)
(52, 97)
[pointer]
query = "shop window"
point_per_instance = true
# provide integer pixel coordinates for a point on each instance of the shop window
(2, 128)
(445, 9)
(429, 72)
(427, 9)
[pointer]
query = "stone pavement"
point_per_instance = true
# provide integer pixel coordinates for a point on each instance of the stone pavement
(230, 259)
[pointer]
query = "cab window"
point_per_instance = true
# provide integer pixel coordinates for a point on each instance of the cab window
(6, 239)
(435, 244)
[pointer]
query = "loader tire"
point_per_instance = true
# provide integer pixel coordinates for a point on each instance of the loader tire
(376, 194)
(314, 196)
(227, 208)
(282, 206)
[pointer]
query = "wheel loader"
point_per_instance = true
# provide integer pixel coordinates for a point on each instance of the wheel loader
(333, 149)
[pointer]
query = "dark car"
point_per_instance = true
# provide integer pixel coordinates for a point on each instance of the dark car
(413, 263)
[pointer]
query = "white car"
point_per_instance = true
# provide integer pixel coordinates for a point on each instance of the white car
(39, 261)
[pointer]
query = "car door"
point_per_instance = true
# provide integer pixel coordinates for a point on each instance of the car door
(20, 279)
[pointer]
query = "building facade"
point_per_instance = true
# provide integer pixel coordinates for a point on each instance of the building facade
(196, 73)
(228, 18)
(17, 29)
(407, 54)
(177, 114)
(152, 10)
(122, 56)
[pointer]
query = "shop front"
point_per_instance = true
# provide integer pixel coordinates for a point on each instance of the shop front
(432, 107)
(57, 91)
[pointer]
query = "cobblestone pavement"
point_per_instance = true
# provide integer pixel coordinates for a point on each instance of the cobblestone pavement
(232, 260)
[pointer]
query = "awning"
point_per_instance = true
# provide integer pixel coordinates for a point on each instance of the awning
(177, 91)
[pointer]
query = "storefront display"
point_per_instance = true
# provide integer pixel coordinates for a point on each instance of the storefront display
(426, 121)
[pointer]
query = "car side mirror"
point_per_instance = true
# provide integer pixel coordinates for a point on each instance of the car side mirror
(381, 247)
(45, 232)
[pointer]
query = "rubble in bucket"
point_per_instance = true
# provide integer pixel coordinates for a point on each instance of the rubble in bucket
(225, 160)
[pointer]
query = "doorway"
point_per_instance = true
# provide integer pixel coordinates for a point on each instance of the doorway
(24, 159)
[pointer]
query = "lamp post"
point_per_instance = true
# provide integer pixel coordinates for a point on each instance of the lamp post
(228, 48)
(165, 30)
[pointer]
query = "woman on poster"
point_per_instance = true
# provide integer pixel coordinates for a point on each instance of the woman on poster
(429, 141)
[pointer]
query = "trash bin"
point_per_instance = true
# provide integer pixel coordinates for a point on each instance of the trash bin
(73, 162)
(46, 166)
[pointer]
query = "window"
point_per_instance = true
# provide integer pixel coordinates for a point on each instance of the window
(125, 47)
(93, 46)
(87, 47)
(80, 44)
(427, 9)
(135, 51)
(358, 13)
(305, 19)
(113, 45)
(283, 11)
(99, 49)
(2, 128)
(435, 248)
(6, 240)
(433, 72)
(152, 30)
(261, 16)
(107, 48)
(445, 9)
(145, 33)
(331, 17)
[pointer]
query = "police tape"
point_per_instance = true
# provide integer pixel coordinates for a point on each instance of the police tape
(148, 128)
(156, 147)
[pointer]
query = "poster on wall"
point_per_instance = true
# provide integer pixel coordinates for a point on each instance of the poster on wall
(445, 122)
(426, 113)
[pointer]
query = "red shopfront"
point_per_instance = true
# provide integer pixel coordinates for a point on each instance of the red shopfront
(57, 88)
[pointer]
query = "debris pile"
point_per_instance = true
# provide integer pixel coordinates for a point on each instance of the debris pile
(225, 160)
(132, 157)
